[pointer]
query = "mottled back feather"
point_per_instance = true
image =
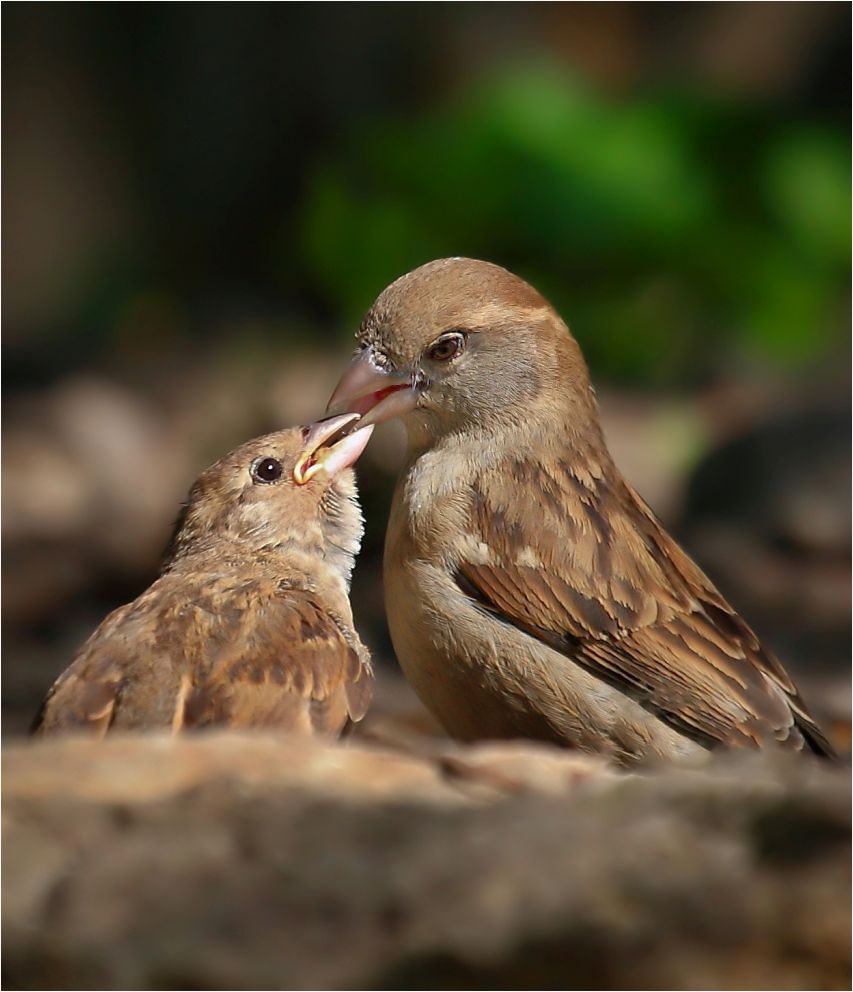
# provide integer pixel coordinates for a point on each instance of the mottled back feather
(215, 651)
(576, 559)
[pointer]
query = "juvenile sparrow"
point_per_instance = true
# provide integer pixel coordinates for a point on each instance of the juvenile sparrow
(249, 623)
(530, 591)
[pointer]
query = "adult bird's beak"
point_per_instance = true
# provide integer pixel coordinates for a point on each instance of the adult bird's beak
(328, 448)
(370, 390)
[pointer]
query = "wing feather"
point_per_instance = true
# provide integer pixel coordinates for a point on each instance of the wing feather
(222, 653)
(589, 570)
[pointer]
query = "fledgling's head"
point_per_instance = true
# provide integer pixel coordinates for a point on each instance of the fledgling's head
(292, 491)
(460, 344)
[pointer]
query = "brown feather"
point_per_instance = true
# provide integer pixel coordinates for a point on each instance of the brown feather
(214, 653)
(248, 626)
(695, 663)
(529, 590)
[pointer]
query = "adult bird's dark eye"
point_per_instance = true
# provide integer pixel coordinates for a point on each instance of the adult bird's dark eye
(267, 470)
(446, 348)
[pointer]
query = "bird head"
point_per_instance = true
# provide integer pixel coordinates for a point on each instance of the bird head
(291, 489)
(460, 345)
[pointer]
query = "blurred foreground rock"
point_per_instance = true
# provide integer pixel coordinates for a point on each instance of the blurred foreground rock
(257, 862)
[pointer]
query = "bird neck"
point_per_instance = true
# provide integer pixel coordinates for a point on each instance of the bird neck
(540, 433)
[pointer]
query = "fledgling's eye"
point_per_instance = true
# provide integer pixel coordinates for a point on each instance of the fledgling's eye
(448, 346)
(266, 469)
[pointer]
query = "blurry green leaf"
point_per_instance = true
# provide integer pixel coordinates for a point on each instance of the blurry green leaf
(808, 187)
(641, 219)
(355, 246)
(787, 314)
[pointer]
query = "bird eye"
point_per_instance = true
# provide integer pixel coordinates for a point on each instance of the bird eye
(266, 470)
(448, 346)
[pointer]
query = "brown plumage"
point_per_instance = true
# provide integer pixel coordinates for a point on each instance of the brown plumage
(249, 623)
(530, 591)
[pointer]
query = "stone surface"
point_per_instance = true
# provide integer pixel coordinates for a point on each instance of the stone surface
(257, 862)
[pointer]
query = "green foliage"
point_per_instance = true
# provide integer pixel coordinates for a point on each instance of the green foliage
(700, 228)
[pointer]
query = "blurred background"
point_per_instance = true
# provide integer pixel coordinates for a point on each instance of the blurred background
(200, 201)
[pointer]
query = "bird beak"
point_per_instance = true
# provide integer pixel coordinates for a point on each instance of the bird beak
(321, 451)
(367, 389)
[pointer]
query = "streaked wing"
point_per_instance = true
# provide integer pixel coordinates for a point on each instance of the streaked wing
(83, 699)
(240, 655)
(286, 665)
(576, 559)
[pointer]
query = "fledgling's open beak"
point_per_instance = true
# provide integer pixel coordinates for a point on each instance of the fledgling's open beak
(370, 390)
(329, 448)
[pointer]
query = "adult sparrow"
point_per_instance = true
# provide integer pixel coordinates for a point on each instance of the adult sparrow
(530, 591)
(249, 623)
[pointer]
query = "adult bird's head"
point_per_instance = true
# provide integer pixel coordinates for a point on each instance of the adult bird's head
(460, 345)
